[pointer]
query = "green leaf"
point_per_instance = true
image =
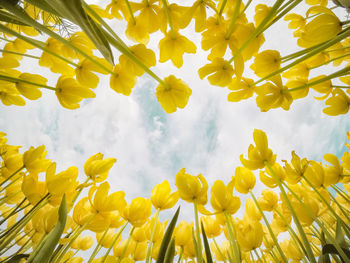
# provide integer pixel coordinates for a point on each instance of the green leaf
(17, 258)
(43, 252)
(73, 10)
(9, 18)
(167, 237)
(206, 246)
(331, 249)
(170, 252)
(42, 5)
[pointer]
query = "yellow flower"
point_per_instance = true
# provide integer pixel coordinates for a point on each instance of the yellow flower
(298, 72)
(295, 21)
(158, 232)
(261, 11)
(31, 92)
(162, 198)
(145, 55)
(173, 46)
(137, 32)
(84, 74)
(337, 104)
(218, 43)
(222, 199)
(149, 14)
(272, 96)
(118, 8)
(9, 62)
(322, 28)
(211, 226)
(191, 188)
(62, 182)
(249, 234)
(70, 93)
(97, 169)
(83, 243)
(174, 95)
(102, 203)
(122, 81)
(251, 211)
(80, 41)
(241, 88)
(315, 174)
(258, 155)
(183, 233)
(33, 189)
(266, 62)
(9, 95)
(295, 170)
(334, 173)
(244, 180)
(220, 71)
(268, 201)
(34, 160)
(138, 211)
(267, 177)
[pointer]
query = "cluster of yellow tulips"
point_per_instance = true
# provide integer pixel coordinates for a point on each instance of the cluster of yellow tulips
(234, 43)
(44, 217)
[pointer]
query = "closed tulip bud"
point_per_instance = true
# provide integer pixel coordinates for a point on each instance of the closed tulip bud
(334, 173)
(162, 198)
(121, 248)
(258, 155)
(211, 226)
(159, 230)
(244, 180)
(222, 199)
(62, 182)
(268, 201)
(315, 174)
(182, 233)
(108, 238)
(292, 250)
(34, 160)
(33, 189)
(140, 251)
(249, 235)
(252, 212)
(83, 243)
(12, 162)
(139, 234)
(191, 188)
(97, 169)
(138, 211)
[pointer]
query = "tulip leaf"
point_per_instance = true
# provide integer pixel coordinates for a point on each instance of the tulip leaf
(170, 252)
(17, 258)
(331, 249)
(43, 252)
(206, 246)
(167, 238)
(9, 18)
(43, 5)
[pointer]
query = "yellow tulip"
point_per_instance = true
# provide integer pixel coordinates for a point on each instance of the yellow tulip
(249, 235)
(244, 180)
(162, 198)
(191, 188)
(97, 169)
(183, 233)
(138, 211)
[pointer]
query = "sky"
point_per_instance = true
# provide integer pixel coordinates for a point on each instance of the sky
(207, 136)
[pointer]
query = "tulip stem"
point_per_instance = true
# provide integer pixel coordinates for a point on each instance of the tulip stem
(130, 11)
(18, 53)
(222, 7)
(18, 80)
(168, 15)
(269, 228)
(124, 249)
(199, 243)
(308, 249)
(257, 255)
(329, 61)
(339, 191)
(233, 237)
(98, 246)
(12, 175)
(181, 254)
(114, 241)
(233, 21)
(219, 250)
(154, 226)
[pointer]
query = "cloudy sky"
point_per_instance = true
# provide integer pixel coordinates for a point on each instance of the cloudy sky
(206, 137)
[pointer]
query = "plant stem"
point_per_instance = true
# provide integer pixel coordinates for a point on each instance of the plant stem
(199, 243)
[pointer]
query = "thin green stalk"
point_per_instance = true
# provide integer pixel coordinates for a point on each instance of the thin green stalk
(232, 235)
(313, 52)
(329, 61)
(124, 249)
(181, 254)
(199, 241)
(245, 7)
(257, 255)
(7, 40)
(300, 53)
(98, 246)
(258, 30)
(340, 192)
(148, 255)
(17, 80)
(130, 11)
(269, 228)
(13, 212)
(114, 241)
(219, 250)
(170, 21)
(324, 229)
(12, 175)
(308, 249)
(232, 25)
(78, 231)
(340, 87)
(331, 76)
(18, 53)
(222, 7)
(346, 214)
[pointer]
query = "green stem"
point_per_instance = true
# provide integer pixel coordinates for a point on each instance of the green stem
(345, 22)
(329, 61)
(148, 255)
(170, 21)
(124, 249)
(222, 7)
(245, 7)
(199, 243)
(114, 241)
(98, 246)
(258, 30)
(340, 87)
(331, 76)
(17, 80)
(12, 175)
(269, 228)
(308, 249)
(257, 255)
(17, 53)
(232, 235)
(340, 192)
(130, 11)
(234, 18)
(299, 53)
(181, 254)
(313, 52)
